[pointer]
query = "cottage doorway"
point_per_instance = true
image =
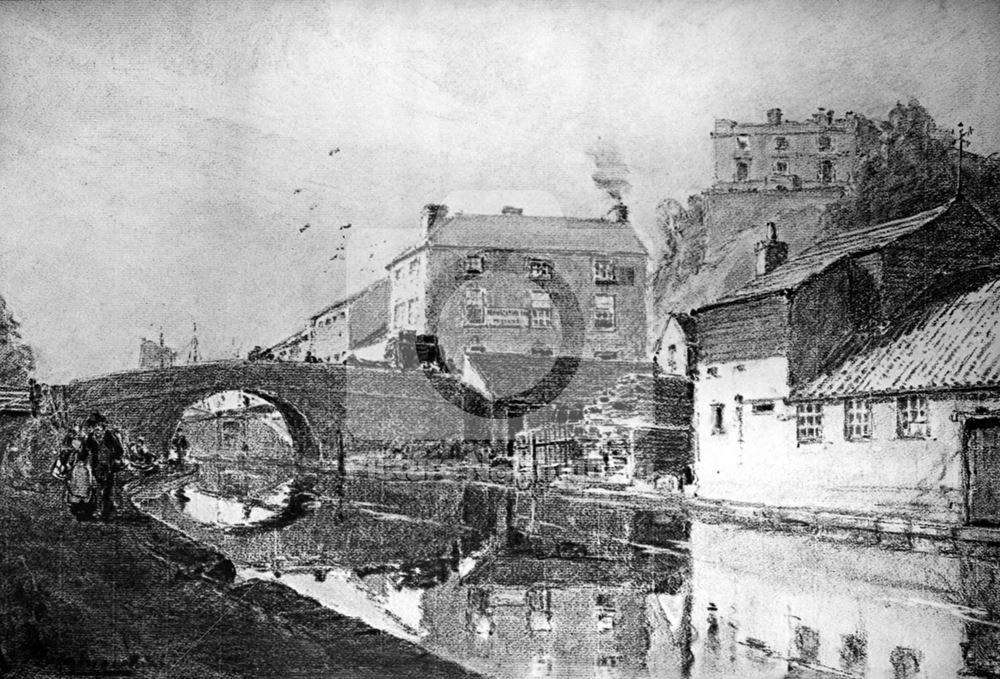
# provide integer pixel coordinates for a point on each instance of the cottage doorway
(982, 459)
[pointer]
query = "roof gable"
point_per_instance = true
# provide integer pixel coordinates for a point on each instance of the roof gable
(829, 251)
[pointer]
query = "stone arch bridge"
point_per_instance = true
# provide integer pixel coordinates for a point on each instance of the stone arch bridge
(371, 407)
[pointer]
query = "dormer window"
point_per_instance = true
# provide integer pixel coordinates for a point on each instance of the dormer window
(781, 143)
(474, 264)
(604, 271)
(539, 269)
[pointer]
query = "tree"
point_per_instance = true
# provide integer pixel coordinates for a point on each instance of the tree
(907, 165)
(17, 360)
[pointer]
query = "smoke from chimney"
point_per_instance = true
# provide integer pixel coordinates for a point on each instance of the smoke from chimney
(610, 171)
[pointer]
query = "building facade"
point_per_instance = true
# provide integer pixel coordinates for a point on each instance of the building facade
(519, 284)
(356, 325)
(766, 433)
(154, 355)
(785, 155)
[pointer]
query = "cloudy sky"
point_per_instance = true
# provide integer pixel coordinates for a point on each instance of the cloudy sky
(159, 161)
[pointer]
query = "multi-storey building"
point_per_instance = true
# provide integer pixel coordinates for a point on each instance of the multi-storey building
(785, 155)
(522, 284)
(355, 325)
(857, 375)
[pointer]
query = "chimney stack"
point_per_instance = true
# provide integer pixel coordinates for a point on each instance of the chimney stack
(771, 253)
(431, 214)
(619, 213)
(774, 116)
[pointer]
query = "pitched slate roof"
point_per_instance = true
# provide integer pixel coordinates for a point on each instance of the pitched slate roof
(950, 343)
(520, 232)
(341, 301)
(828, 251)
(509, 374)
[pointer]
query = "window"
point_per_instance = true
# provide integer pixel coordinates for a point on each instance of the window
(809, 422)
(762, 407)
(718, 418)
(541, 665)
(539, 269)
(857, 419)
(781, 167)
(742, 172)
(604, 611)
(781, 143)
(824, 143)
(539, 601)
(604, 312)
(625, 275)
(912, 417)
(826, 171)
(905, 662)
(399, 315)
(475, 306)
(398, 274)
(474, 264)
(742, 142)
(604, 271)
(853, 652)
(414, 266)
(411, 313)
(541, 310)
(806, 644)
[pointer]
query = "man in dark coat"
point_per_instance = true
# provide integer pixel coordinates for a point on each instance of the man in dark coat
(106, 454)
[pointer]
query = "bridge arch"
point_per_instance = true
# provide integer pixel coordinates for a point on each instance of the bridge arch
(151, 403)
(305, 442)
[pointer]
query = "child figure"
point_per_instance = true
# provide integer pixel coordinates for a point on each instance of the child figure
(80, 486)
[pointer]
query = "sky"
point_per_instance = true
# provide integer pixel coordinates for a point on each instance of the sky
(160, 161)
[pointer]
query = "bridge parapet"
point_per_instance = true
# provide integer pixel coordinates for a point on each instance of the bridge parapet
(318, 401)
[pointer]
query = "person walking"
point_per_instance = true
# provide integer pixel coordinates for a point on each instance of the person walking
(106, 455)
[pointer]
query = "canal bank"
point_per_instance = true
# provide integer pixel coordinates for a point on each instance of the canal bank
(596, 583)
(136, 598)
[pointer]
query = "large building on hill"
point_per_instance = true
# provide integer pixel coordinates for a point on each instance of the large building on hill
(523, 284)
(777, 171)
(785, 155)
(860, 375)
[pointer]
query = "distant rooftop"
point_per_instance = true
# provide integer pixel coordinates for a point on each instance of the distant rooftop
(505, 375)
(341, 301)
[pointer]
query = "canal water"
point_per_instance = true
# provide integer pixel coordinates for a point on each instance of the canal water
(540, 583)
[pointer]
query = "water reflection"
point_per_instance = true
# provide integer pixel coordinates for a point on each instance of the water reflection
(518, 585)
